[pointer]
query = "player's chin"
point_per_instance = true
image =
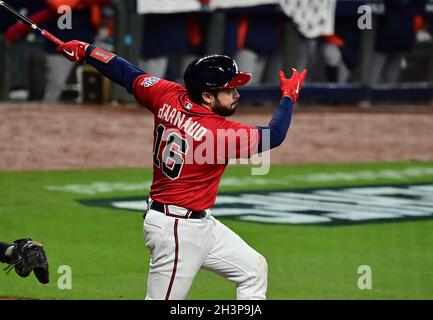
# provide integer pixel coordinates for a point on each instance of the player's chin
(225, 111)
(231, 110)
(233, 107)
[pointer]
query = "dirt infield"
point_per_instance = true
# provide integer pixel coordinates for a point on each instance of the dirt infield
(46, 137)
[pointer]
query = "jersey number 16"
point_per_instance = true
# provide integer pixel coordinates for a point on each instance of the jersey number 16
(171, 160)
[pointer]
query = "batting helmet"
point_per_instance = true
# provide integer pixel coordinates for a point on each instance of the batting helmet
(211, 73)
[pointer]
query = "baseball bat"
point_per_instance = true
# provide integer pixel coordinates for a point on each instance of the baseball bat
(31, 24)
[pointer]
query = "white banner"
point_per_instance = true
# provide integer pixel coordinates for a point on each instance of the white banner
(239, 3)
(167, 6)
(313, 18)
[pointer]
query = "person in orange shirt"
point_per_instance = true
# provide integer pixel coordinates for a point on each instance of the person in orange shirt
(179, 34)
(335, 68)
(257, 38)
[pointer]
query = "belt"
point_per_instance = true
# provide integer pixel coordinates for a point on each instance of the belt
(163, 208)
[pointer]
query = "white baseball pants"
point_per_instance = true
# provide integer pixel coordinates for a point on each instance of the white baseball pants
(180, 247)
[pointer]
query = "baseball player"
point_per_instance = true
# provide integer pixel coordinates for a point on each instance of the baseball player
(193, 143)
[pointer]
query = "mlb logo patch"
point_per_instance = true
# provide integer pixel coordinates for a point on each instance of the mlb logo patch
(188, 106)
(148, 82)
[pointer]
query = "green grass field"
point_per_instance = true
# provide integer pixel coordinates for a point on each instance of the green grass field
(106, 251)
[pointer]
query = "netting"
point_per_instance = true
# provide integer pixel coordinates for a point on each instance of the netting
(313, 18)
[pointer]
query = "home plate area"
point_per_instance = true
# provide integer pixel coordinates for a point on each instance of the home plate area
(330, 206)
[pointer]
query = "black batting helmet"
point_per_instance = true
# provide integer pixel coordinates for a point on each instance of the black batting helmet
(211, 73)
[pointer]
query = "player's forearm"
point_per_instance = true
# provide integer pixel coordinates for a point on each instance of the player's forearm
(116, 69)
(277, 129)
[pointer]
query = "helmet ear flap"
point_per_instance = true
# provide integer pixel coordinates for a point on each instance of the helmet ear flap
(190, 79)
(195, 97)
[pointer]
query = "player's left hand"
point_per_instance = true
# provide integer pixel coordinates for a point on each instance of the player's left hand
(73, 50)
(292, 87)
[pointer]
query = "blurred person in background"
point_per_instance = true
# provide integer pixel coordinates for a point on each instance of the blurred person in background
(340, 51)
(179, 36)
(105, 35)
(395, 38)
(22, 52)
(254, 38)
(85, 20)
(330, 49)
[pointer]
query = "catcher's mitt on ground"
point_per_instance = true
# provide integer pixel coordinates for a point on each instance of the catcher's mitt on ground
(28, 255)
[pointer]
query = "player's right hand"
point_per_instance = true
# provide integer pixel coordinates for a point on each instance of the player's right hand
(73, 50)
(292, 87)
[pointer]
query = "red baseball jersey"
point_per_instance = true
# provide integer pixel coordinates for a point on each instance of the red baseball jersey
(192, 145)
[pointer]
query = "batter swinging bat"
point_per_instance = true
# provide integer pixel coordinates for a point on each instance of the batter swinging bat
(31, 24)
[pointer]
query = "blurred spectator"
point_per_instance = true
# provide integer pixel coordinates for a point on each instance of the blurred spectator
(254, 40)
(340, 51)
(22, 52)
(196, 28)
(105, 35)
(86, 18)
(395, 38)
(420, 59)
(333, 58)
(167, 36)
(423, 29)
